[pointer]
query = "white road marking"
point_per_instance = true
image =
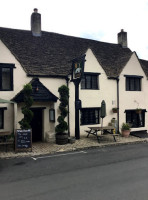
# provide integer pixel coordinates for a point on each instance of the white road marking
(58, 155)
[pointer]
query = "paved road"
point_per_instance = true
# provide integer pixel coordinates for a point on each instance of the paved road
(110, 173)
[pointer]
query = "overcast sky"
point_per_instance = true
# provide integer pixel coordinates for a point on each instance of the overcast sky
(94, 19)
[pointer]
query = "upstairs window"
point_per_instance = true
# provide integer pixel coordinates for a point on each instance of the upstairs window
(90, 81)
(6, 77)
(133, 83)
(90, 116)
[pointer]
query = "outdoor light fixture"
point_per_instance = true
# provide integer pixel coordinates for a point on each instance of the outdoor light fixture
(52, 115)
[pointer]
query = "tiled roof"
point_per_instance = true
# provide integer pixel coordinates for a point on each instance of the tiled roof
(39, 93)
(50, 54)
(144, 64)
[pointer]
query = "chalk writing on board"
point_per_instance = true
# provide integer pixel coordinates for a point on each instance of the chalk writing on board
(23, 139)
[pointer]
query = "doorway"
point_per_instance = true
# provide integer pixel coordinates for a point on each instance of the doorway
(36, 124)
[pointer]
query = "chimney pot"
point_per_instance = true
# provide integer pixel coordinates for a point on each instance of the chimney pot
(36, 23)
(122, 38)
(35, 10)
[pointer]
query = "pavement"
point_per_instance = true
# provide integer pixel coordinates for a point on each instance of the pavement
(43, 148)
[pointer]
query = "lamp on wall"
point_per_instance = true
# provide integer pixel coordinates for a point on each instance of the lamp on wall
(52, 115)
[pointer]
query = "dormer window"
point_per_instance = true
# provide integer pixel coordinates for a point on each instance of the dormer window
(90, 81)
(133, 83)
(6, 77)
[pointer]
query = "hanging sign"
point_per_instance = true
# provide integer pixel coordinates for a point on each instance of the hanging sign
(78, 67)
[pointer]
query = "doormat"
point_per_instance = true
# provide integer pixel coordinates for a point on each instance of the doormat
(140, 134)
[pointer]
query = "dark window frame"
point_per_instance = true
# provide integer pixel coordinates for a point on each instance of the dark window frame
(88, 116)
(2, 110)
(134, 119)
(93, 83)
(8, 66)
(133, 82)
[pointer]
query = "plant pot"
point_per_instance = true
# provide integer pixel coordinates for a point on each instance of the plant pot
(115, 110)
(61, 138)
(138, 111)
(125, 133)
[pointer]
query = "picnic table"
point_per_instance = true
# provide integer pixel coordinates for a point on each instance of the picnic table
(4, 139)
(104, 131)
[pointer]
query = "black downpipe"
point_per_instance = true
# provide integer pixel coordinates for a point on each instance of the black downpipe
(117, 105)
(67, 81)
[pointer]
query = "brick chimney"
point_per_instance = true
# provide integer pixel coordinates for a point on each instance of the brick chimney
(36, 23)
(122, 38)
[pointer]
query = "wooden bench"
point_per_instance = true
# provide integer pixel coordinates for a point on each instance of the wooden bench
(108, 130)
(4, 139)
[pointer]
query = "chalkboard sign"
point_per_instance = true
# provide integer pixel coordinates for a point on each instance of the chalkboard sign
(23, 140)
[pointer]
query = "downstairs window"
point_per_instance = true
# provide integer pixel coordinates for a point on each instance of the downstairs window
(90, 116)
(135, 119)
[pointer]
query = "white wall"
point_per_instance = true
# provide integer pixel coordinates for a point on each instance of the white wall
(128, 98)
(90, 98)
(93, 98)
(20, 79)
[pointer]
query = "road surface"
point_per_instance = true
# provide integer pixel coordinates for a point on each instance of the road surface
(109, 173)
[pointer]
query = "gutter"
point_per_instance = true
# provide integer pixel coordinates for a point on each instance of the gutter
(118, 106)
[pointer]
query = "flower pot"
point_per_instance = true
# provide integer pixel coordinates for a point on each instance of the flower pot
(61, 138)
(125, 133)
(138, 111)
(115, 110)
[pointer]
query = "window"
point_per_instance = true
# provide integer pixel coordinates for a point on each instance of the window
(6, 77)
(89, 81)
(134, 119)
(133, 83)
(2, 117)
(90, 116)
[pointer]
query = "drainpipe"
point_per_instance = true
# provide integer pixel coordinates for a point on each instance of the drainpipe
(117, 79)
(67, 81)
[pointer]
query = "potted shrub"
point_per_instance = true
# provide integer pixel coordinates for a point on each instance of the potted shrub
(28, 114)
(125, 129)
(115, 110)
(62, 127)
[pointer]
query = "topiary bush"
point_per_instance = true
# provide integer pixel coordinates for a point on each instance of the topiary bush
(64, 95)
(28, 114)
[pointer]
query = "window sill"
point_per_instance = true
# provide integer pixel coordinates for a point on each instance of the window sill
(89, 89)
(88, 124)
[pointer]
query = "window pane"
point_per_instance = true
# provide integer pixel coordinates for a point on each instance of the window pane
(127, 84)
(6, 82)
(1, 118)
(132, 88)
(83, 83)
(137, 84)
(94, 82)
(97, 116)
(88, 82)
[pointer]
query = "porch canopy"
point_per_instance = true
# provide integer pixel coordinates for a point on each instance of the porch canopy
(39, 93)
